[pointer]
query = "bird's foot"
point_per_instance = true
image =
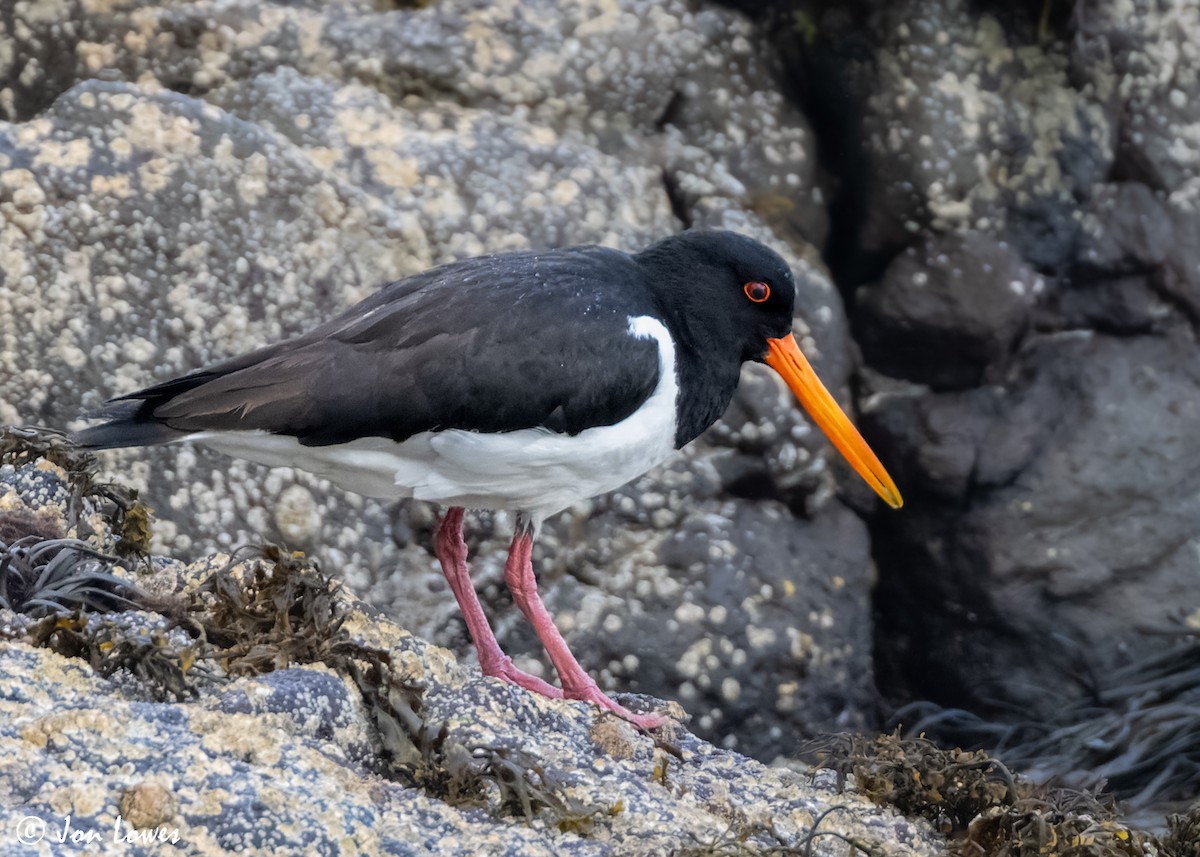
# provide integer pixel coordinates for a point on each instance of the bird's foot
(590, 692)
(501, 666)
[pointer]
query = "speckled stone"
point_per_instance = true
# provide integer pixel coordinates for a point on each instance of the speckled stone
(289, 762)
(180, 183)
(283, 764)
(1144, 57)
(972, 126)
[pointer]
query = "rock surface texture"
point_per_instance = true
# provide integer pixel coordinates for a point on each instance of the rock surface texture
(181, 183)
(195, 745)
(1006, 197)
(1019, 222)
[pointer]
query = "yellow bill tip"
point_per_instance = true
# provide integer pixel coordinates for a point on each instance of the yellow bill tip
(891, 495)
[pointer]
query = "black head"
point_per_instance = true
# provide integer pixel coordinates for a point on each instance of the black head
(721, 292)
(727, 299)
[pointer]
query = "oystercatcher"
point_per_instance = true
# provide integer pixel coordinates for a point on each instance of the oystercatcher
(521, 381)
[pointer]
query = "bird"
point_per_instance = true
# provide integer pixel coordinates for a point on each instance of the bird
(524, 381)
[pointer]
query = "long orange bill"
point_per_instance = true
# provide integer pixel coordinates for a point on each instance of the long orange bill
(785, 357)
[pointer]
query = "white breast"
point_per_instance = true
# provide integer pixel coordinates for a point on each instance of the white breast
(532, 470)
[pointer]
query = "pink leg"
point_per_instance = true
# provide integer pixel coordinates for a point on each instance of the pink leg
(451, 552)
(577, 684)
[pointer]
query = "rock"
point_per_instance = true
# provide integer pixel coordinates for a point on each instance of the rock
(969, 126)
(1124, 305)
(1055, 143)
(959, 294)
(206, 178)
(36, 65)
(1128, 234)
(748, 614)
(1179, 276)
(1060, 500)
(1144, 58)
(306, 758)
(220, 783)
(1126, 229)
(733, 135)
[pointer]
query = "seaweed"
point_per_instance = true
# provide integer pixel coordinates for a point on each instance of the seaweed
(40, 576)
(286, 614)
(1182, 838)
(423, 754)
(158, 664)
(1133, 730)
(524, 785)
(745, 838)
(128, 516)
(948, 787)
(1062, 822)
(977, 801)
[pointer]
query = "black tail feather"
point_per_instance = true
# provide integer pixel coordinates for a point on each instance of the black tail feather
(131, 421)
(120, 433)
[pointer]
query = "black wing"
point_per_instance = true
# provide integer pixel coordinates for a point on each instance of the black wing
(488, 344)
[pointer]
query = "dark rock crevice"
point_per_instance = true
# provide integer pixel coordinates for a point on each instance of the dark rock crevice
(1013, 229)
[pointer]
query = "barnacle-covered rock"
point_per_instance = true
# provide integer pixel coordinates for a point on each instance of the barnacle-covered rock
(250, 704)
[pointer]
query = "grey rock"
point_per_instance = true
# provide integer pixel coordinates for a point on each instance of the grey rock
(964, 295)
(732, 134)
(37, 63)
(749, 615)
(1179, 276)
(204, 178)
(1059, 508)
(1039, 535)
(1127, 229)
(294, 762)
(1120, 305)
(1142, 57)
(970, 127)
(474, 180)
(320, 704)
(254, 782)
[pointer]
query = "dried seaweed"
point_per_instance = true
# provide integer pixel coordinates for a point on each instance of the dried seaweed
(948, 787)
(986, 810)
(743, 837)
(1066, 823)
(524, 785)
(1182, 838)
(160, 665)
(424, 755)
(126, 514)
(283, 614)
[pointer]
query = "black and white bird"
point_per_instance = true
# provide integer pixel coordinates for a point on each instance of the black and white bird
(523, 381)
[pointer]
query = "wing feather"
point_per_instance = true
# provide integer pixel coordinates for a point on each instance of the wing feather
(490, 344)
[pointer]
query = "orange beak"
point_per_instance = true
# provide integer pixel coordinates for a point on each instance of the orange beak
(785, 357)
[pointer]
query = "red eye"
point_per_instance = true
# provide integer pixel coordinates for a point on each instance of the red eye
(757, 292)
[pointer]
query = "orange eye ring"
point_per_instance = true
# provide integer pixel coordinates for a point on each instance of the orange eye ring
(757, 292)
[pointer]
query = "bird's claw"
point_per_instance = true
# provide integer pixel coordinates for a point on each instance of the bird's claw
(506, 670)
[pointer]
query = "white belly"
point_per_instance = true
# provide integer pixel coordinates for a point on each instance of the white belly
(532, 470)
